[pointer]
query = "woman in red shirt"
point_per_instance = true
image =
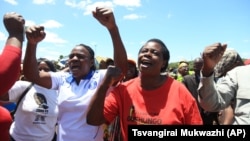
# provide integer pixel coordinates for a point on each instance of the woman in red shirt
(152, 98)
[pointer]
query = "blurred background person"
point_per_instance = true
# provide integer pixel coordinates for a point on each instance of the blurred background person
(215, 96)
(192, 82)
(229, 61)
(183, 70)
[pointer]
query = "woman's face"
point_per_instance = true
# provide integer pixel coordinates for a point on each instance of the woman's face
(43, 67)
(150, 59)
(80, 62)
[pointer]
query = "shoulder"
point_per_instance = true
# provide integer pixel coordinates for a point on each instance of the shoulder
(18, 88)
(60, 73)
(188, 76)
(240, 70)
(99, 74)
(21, 83)
(132, 81)
(131, 84)
(60, 76)
(100, 71)
(178, 86)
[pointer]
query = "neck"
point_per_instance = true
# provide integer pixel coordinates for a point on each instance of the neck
(150, 83)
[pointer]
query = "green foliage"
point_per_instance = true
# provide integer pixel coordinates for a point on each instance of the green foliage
(175, 65)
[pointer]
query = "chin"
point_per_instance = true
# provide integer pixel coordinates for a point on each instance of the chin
(75, 74)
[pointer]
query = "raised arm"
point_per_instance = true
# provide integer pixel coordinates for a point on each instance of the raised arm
(114, 73)
(208, 92)
(34, 35)
(95, 114)
(106, 17)
(211, 56)
(11, 56)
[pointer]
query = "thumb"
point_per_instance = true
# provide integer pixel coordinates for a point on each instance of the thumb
(224, 47)
(43, 34)
(94, 14)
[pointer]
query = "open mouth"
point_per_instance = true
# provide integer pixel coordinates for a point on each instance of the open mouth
(75, 68)
(146, 63)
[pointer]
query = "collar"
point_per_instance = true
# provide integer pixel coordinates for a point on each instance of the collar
(71, 78)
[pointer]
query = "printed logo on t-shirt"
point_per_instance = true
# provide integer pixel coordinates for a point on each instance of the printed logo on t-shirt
(143, 117)
(42, 109)
(92, 85)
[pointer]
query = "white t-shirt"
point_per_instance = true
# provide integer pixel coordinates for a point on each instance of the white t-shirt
(36, 116)
(73, 103)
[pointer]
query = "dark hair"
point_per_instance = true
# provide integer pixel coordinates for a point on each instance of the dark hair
(91, 52)
(165, 52)
(109, 61)
(48, 62)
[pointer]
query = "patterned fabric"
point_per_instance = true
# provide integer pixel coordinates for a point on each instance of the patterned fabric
(229, 59)
(115, 131)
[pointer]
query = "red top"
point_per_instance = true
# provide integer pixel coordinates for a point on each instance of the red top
(170, 104)
(10, 67)
(9, 71)
(5, 122)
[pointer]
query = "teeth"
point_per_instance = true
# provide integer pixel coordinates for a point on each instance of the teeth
(144, 65)
(74, 67)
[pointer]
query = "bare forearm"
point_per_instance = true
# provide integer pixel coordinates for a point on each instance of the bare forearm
(15, 40)
(30, 69)
(229, 115)
(120, 55)
(95, 112)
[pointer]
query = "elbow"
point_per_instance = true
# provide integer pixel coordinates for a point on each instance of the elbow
(94, 122)
(30, 76)
(27, 75)
(94, 119)
(91, 122)
(30, 79)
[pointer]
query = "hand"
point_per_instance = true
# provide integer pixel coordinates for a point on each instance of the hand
(113, 75)
(105, 16)
(14, 23)
(35, 34)
(211, 56)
